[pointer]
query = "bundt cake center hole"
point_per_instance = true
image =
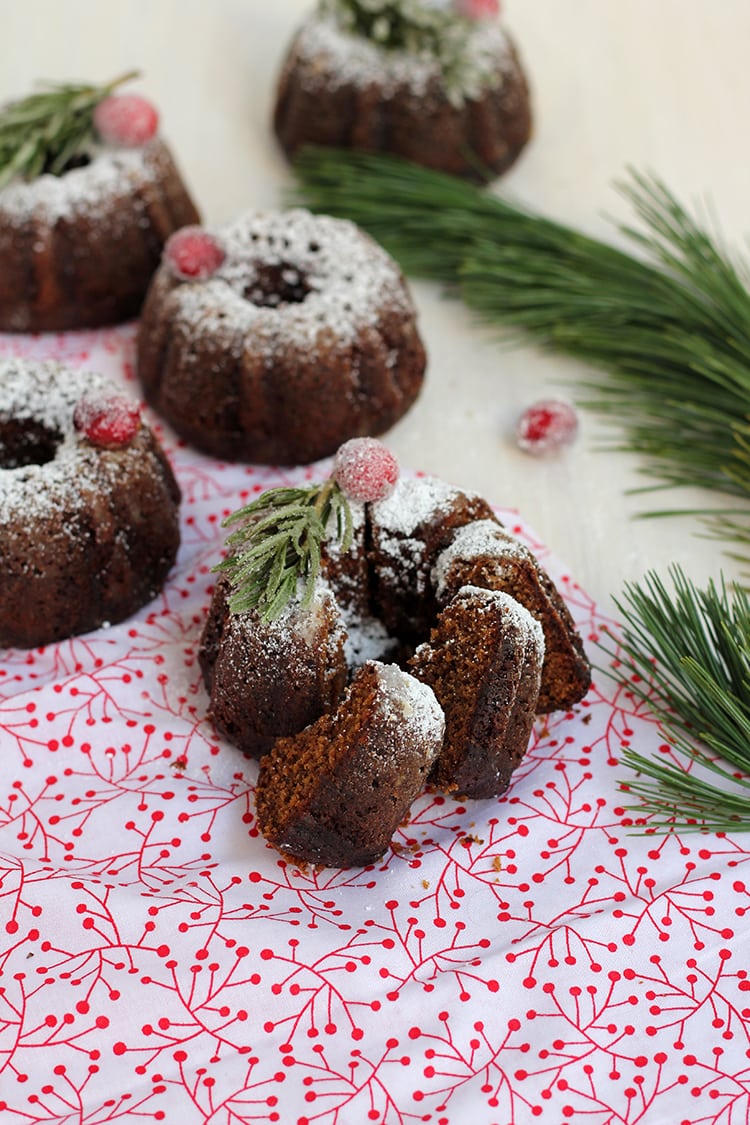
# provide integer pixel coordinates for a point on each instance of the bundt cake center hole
(26, 443)
(274, 286)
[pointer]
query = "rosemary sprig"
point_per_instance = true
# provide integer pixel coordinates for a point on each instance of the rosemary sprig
(686, 653)
(278, 544)
(665, 329)
(46, 130)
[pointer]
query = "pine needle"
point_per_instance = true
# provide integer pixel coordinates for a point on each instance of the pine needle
(664, 330)
(685, 652)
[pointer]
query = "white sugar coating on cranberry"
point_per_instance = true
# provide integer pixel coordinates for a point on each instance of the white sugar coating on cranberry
(125, 119)
(477, 9)
(365, 470)
(546, 427)
(192, 254)
(107, 419)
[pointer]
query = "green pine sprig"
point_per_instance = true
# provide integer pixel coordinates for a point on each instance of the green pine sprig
(664, 328)
(685, 652)
(278, 543)
(46, 130)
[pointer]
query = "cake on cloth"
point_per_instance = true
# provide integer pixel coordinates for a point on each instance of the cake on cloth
(89, 194)
(89, 505)
(277, 337)
(439, 84)
(284, 586)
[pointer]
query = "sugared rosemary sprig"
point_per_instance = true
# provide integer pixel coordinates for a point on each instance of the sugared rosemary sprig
(44, 131)
(277, 545)
(686, 653)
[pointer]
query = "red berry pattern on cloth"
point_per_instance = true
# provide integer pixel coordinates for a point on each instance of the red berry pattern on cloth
(547, 427)
(127, 120)
(192, 254)
(365, 469)
(537, 957)
(108, 420)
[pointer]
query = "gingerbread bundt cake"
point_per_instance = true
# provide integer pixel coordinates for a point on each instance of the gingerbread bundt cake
(79, 244)
(298, 334)
(336, 793)
(89, 506)
(430, 83)
(482, 652)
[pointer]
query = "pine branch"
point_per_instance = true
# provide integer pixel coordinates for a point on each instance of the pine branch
(47, 130)
(665, 330)
(277, 545)
(686, 654)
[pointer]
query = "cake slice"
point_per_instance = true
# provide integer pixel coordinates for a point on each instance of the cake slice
(484, 554)
(484, 663)
(335, 793)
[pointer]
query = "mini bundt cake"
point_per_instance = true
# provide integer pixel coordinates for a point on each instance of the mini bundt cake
(485, 554)
(485, 649)
(79, 244)
(89, 506)
(484, 663)
(336, 793)
(434, 84)
(298, 334)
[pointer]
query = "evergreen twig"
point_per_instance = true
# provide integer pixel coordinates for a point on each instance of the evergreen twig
(46, 130)
(686, 653)
(664, 331)
(277, 545)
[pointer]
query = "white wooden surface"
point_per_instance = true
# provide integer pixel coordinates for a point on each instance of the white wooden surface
(661, 85)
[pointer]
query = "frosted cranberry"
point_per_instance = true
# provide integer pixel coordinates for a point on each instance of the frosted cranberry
(365, 470)
(477, 9)
(547, 426)
(125, 119)
(107, 419)
(192, 254)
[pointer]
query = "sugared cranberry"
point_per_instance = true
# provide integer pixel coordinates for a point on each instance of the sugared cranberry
(107, 419)
(547, 426)
(192, 254)
(125, 119)
(365, 470)
(477, 9)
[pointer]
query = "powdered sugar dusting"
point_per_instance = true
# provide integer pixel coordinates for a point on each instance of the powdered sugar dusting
(408, 699)
(414, 503)
(46, 395)
(87, 190)
(475, 540)
(337, 58)
(346, 278)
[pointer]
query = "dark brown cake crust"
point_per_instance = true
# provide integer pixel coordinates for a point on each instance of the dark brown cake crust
(88, 534)
(79, 250)
(483, 134)
(484, 663)
(248, 366)
(336, 793)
